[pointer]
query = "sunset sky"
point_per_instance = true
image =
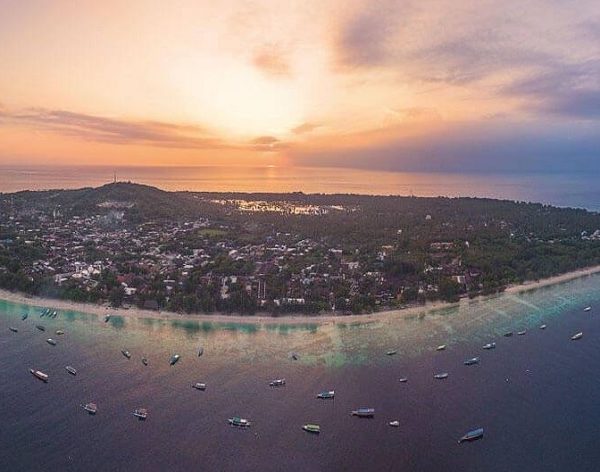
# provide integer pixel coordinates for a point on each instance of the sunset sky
(423, 85)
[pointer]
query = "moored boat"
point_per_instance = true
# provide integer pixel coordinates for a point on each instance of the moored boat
(126, 353)
(441, 376)
(472, 435)
(91, 408)
(403, 380)
(24, 317)
(39, 374)
(13, 329)
(311, 428)
(326, 394)
(200, 351)
(40, 327)
(71, 370)
(543, 326)
(521, 333)
(391, 352)
(472, 361)
(144, 361)
(199, 386)
(60, 332)
(577, 336)
(107, 318)
(489, 346)
(441, 347)
(587, 308)
(51, 341)
(395, 423)
(277, 383)
(508, 334)
(174, 359)
(239, 422)
(294, 356)
(140, 413)
(364, 412)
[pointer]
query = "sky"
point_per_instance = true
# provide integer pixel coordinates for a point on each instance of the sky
(425, 85)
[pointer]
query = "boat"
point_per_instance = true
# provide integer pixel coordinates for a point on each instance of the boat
(403, 380)
(394, 423)
(144, 361)
(200, 351)
(91, 408)
(71, 370)
(521, 333)
(294, 356)
(126, 353)
(472, 361)
(239, 422)
(326, 394)
(508, 334)
(14, 330)
(40, 327)
(51, 341)
(587, 308)
(60, 332)
(54, 314)
(391, 353)
(543, 326)
(199, 386)
(577, 336)
(107, 318)
(441, 347)
(489, 346)
(364, 412)
(441, 376)
(277, 383)
(472, 436)
(174, 359)
(24, 317)
(312, 428)
(39, 374)
(140, 413)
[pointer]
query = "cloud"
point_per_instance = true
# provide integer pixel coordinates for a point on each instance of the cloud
(111, 130)
(267, 143)
(272, 61)
(306, 127)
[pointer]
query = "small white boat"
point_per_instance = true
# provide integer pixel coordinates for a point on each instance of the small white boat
(126, 353)
(577, 336)
(199, 386)
(403, 380)
(51, 341)
(441, 376)
(543, 326)
(144, 361)
(91, 408)
(391, 352)
(39, 374)
(174, 359)
(441, 347)
(490, 346)
(60, 332)
(472, 436)
(521, 333)
(326, 395)
(472, 361)
(107, 318)
(394, 423)
(71, 370)
(277, 383)
(587, 308)
(239, 422)
(364, 412)
(140, 413)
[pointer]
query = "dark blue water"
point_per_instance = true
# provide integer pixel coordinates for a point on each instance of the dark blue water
(544, 418)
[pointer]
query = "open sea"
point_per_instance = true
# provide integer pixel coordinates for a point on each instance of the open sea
(575, 190)
(537, 395)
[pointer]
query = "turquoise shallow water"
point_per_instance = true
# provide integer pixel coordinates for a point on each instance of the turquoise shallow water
(549, 401)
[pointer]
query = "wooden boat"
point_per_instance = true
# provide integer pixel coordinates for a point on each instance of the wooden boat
(239, 422)
(577, 336)
(311, 428)
(126, 353)
(39, 374)
(326, 395)
(107, 318)
(200, 351)
(472, 435)
(14, 330)
(91, 408)
(40, 327)
(364, 412)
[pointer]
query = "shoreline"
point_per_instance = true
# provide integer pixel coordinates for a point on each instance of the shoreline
(262, 318)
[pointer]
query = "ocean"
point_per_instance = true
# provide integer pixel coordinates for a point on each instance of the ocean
(536, 395)
(576, 190)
